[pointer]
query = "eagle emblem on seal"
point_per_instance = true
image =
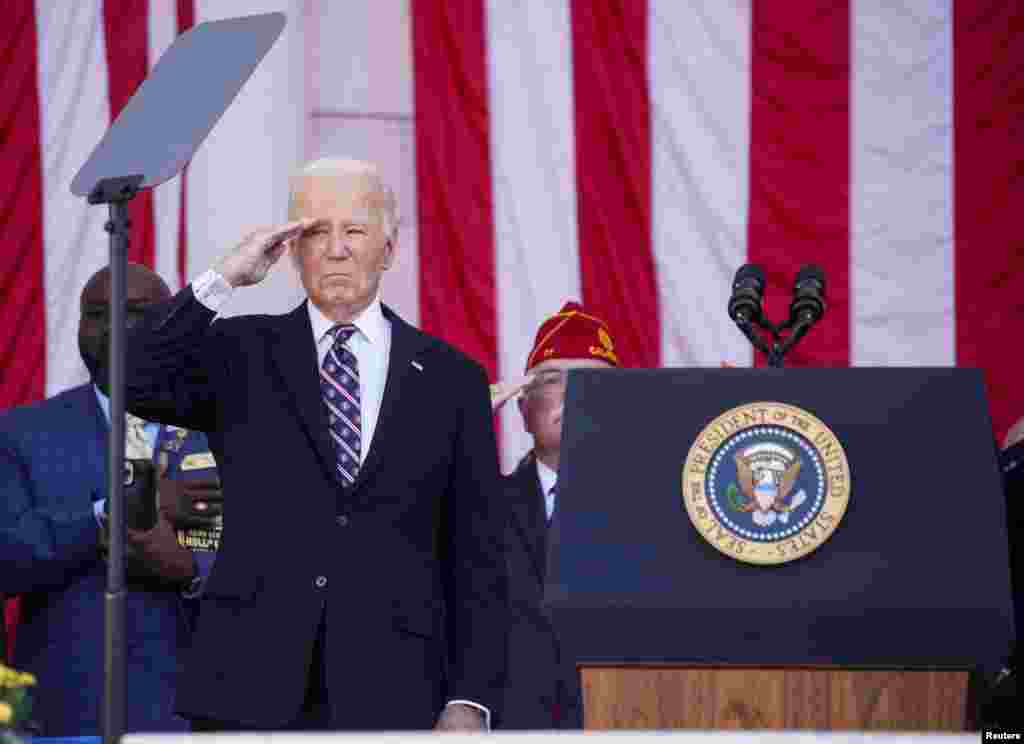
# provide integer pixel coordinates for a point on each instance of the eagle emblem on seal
(766, 473)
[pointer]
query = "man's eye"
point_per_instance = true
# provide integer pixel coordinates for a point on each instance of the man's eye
(355, 231)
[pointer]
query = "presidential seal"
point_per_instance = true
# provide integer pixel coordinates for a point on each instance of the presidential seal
(766, 483)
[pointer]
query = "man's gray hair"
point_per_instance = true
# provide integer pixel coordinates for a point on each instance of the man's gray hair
(348, 167)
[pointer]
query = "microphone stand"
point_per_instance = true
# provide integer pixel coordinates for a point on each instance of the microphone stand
(800, 329)
(780, 345)
(774, 351)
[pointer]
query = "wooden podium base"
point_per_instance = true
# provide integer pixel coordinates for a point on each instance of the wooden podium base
(777, 698)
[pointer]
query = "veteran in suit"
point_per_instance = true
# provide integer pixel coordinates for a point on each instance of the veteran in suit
(360, 581)
(543, 690)
(53, 457)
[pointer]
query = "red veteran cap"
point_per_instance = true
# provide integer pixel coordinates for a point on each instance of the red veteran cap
(572, 334)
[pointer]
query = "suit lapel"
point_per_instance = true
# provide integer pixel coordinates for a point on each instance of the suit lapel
(294, 353)
(406, 342)
(90, 426)
(529, 516)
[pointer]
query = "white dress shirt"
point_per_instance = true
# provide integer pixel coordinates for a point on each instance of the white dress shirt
(548, 478)
(371, 346)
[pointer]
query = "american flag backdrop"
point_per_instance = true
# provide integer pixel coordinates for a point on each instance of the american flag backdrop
(634, 154)
(628, 153)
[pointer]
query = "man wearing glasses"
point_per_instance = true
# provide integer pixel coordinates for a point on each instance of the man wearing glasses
(542, 689)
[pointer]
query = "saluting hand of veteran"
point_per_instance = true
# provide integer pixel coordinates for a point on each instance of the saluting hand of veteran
(504, 391)
(252, 258)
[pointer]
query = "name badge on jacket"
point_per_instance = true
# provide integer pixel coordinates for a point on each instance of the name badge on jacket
(199, 511)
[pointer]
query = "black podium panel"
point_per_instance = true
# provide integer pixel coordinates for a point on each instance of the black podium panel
(916, 575)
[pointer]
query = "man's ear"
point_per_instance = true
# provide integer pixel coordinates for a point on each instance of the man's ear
(389, 255)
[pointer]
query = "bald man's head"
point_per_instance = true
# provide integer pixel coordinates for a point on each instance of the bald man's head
(143, 289)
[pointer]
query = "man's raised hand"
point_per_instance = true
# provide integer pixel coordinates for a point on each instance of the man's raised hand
(258, 251)
(502, 392)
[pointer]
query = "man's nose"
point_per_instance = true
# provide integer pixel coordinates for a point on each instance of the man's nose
(338, 248)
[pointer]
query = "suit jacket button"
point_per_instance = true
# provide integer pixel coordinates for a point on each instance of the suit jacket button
(321, 582)
(342, 520)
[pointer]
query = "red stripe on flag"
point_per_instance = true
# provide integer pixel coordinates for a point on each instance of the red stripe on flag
(126, 38)
(23, 305)
(613, 174)
(458, 299)
(186, 20)
(799, 162)
(988, 130)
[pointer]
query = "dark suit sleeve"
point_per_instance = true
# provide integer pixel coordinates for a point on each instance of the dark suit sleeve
(477, 590)
(39, 549)
(570, 696)
(170, 359)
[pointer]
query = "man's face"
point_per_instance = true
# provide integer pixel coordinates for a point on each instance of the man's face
(542, 401)
(341, 258)
(144, 288)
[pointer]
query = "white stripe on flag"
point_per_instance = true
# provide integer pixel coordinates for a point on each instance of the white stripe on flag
(901, 195)
(163, 28)
(75, 112)
(529, 64)
(699, 67)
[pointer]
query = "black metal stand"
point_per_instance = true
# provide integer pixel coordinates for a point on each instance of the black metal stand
(116, 192)
(779, 345)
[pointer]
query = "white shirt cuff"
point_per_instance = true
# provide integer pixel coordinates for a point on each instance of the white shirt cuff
(212, 290)
(483, 709)
(98, 509)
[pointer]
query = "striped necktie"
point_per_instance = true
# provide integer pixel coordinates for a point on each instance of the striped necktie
(339, 385)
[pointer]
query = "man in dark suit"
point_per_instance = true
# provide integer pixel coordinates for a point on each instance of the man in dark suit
(543, 689)
(360, 582)
(52, 489)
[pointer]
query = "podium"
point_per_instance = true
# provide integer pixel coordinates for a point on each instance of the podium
(875, 618)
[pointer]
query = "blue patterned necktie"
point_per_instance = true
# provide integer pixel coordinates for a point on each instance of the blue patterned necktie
(339, 384)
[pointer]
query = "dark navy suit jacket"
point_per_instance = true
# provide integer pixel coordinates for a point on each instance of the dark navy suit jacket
(542, 690)
(52, 467)
(407, 563)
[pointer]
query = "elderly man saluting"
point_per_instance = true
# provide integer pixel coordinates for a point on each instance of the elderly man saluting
(360, 582)
(542, 688)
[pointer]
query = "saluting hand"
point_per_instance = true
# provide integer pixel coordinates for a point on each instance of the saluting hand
(258, 251)
(502, 392)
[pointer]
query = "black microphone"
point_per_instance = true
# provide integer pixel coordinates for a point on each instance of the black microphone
(747, 293)
(808, 303)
